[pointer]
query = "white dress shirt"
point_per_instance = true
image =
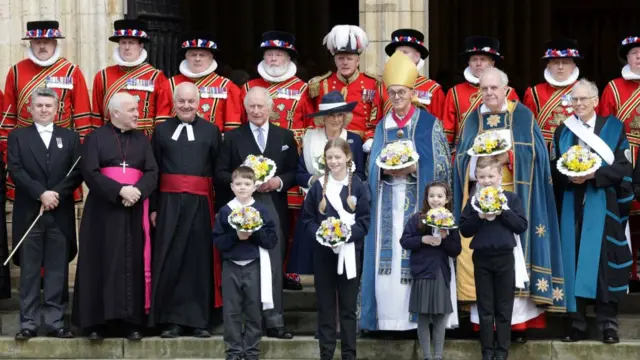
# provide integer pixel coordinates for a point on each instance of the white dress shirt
(591, 126)
(265, 133)
(45, 131)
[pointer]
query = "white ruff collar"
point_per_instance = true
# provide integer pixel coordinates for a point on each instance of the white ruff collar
(420, 64)
(118, 59)
(627, 74)
(574, 76)
(291, 72)
(184, 70)
(46, 63)
(470, 77)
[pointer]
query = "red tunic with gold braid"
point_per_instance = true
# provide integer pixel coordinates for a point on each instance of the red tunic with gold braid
(621, 98)
(461, 100)
(291, 104)
(74, 110)
(147, 84)
(360, 87)
(551, 106)
(220, 99)
(428, 93)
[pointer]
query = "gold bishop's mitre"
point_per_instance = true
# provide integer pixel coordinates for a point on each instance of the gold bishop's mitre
(400, 70)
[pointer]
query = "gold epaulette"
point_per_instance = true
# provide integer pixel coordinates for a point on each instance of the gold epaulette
(375, 77)
(314, 84)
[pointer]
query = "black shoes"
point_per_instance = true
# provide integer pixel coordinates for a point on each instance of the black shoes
(279, 333)
(25, 334)
(291, 282)
(61, 333)
(610, 336)
(171, 332)
(575, 336)
(520, 338)
(134, 335)
(95, 336)
(201, 333)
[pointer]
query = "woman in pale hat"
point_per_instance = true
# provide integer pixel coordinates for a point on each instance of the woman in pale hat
(331, 120)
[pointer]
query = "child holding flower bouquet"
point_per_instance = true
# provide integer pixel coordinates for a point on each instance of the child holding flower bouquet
(432, 246)
(492, 226)
(336, 214)
(243, 232)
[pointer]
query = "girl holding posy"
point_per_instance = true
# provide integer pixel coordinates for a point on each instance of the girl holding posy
(338, 197)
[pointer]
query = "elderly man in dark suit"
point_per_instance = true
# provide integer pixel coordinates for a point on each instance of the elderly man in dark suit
(41, 161)
(258, 137)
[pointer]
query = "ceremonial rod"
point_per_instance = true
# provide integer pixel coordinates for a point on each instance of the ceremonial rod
(36, 220)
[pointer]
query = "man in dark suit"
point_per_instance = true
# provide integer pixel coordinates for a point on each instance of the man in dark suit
(258, 137)
(41, 161)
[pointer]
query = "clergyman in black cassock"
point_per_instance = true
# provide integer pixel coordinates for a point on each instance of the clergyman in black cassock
(185, 148)
(113, 274)
(259, 137)
(39, 158)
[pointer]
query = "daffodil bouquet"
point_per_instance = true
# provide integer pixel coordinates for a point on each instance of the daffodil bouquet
(440, 218)
(321, 163)
(246, 219)
(333, 232)
(264, 168)
(397, 155)
(578, 161)
(490, 200)
(489, 143)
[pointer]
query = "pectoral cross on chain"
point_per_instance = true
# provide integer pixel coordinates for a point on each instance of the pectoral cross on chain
(124, 165)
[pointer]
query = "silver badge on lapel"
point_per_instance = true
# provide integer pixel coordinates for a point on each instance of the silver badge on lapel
(59, 142)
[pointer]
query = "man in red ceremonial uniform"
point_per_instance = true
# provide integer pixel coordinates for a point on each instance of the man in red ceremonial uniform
(134, 75)
(291, 104)
(621, 98)
(428, 92)
(550, 101)
(346, 43)
(220, 98)
(45, 68)
(186, 149)
(480, 52)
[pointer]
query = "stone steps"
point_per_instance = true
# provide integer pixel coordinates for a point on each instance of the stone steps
(305, 300)
(301, 319)
(298, 348)
(305, 324)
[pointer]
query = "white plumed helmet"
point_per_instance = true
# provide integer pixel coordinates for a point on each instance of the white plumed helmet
(346, 39)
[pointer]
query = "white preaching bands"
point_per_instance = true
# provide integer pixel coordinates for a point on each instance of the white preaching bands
(176, 134)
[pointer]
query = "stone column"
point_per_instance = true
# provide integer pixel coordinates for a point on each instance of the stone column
(86, 26)
(379, 18)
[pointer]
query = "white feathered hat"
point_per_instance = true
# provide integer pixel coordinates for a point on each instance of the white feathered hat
(346, 39)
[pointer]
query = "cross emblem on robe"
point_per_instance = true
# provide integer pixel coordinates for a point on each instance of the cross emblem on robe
(124, 165)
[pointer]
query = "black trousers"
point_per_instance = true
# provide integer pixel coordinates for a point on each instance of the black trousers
(495, 282)
(606, 315)
(327, 282)
(45, 246)
(242, 309)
